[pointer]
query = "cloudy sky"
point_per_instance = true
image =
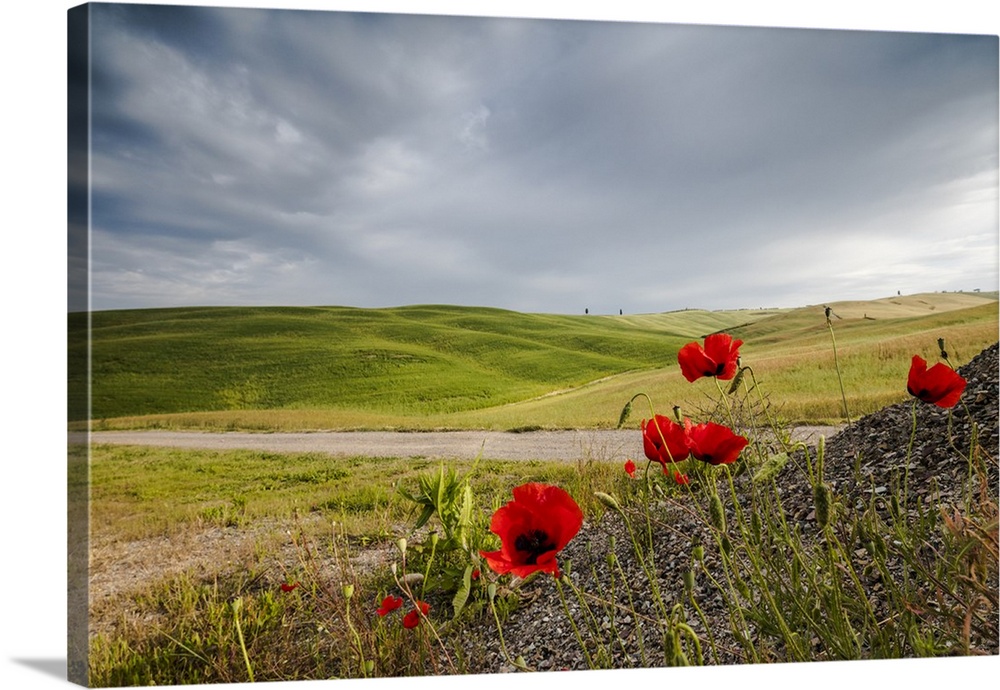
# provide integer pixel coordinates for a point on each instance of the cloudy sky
(252, 157)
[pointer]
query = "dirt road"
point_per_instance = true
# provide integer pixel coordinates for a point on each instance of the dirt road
(570, 445)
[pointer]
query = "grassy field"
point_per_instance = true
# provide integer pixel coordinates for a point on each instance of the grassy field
(236, 566)
(177, 535)
(427, 367)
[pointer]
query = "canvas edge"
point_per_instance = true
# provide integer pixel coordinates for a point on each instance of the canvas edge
(78, 342)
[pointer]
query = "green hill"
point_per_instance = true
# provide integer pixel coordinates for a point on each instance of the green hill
(435, 365)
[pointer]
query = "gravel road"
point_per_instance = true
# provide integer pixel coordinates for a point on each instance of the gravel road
(570, 445)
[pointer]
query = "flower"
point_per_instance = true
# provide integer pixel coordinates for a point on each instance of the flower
(389, 604)
(475, 574)
(681, 478)
(663, 430)
(533, 528)
(412, 619)
(286, 587)
(714, 443)
(939, 385)
(717, 358)
(630, 467)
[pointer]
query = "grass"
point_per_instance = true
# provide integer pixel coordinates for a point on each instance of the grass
(438, 367)
(194, 547)
(269, 520)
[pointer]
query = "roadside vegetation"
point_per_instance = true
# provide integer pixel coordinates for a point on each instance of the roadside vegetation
(181, 535)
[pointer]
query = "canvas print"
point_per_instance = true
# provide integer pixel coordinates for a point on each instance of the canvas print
(410, 345)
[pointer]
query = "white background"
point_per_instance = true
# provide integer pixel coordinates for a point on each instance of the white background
(33, 389)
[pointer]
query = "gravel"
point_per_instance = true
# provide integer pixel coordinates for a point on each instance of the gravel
(867, 456)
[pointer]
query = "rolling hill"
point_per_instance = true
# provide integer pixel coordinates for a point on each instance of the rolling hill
(434, 366)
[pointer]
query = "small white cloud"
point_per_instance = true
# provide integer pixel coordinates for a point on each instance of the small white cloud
(386, 166)
(473, 134)
(286, 133)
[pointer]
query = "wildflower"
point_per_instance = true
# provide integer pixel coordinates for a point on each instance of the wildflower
(664, 440)
(630, 467)
(681, 478)
(939, 385)
(286, 587)
(389, 604)
(412, 619)
(533, 528)
(719, 358)
(714, 443)
(475, 574)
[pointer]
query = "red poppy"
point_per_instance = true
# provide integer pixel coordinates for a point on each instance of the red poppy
(681, 478)
(717, 358)
(286, 587)
(664, 441)
(475, 574)
(389, 604)
(714, 443)
(533, 528)
(412, 619)
(630, 468)
(940, 384)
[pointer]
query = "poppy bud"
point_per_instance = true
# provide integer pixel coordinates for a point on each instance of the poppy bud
(608, 500)
(772, 466)
(626, 411)
(717, 513)
(737, 380)
(821, 501)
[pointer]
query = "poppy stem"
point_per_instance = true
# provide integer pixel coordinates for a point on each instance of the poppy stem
(237, 603)
(787, 445)
(491, 592)
(836, 363)
(357, 637)
(909, 452)
(725, 400)
(572, 623)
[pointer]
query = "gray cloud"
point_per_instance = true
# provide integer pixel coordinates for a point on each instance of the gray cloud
(298, 157)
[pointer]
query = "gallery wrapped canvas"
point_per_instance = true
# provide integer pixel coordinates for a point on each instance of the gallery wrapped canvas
(429, 345)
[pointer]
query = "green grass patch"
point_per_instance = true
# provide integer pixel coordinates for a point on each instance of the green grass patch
(141, 492)
(440, 367)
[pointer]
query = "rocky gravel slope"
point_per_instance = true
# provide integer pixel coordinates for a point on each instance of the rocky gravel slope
(864, 465)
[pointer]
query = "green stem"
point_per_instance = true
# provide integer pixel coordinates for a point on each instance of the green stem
(909, 452)
(572, 623)
(357, 637)
(725, 401)
(840, 377)
(704, 622)
(239, 632)
(786, 446)
(503, 644)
